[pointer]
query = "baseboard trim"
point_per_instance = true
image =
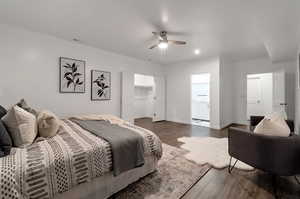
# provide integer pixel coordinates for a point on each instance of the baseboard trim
(239, 124)
(232, 124)
(227, 126)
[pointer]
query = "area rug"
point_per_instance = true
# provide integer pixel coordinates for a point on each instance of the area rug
(209, 150)
(174, 177)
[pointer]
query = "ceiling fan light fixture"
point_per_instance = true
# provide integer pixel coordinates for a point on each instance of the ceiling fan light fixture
(163, 45)
(197, 51)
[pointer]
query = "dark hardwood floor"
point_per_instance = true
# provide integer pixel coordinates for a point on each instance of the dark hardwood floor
(219, 184)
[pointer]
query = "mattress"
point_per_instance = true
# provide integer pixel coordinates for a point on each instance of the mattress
(71, 159)
(108, 184)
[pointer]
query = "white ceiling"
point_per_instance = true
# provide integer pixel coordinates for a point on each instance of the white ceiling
(237, 29)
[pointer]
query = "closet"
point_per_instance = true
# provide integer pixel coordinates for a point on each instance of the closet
(143, 96)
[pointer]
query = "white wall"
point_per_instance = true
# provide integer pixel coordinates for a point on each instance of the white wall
(178, 97)
(228, 88)
(226, 93)
(30, 69)
(297, 94)
(297, 119)
(263, 65)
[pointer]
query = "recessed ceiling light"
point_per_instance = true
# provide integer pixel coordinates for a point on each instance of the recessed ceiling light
(165, 18)
(197, 51)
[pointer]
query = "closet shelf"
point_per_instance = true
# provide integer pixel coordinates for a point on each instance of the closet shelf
(141, 98)
(144, 86)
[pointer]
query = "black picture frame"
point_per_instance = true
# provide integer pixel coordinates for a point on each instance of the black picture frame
(100, 85)
(77, 76)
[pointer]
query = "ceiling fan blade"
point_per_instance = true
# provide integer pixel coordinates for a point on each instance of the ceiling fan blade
(151, 47)
(177, 42)
(178, 33)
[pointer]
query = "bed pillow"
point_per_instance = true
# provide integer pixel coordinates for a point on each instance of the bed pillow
(23, 104)
(21, 126)
(48, 124)
(5, 141)
(274, 126)
(3, 111)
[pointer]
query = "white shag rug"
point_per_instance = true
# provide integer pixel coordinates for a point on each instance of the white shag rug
(209, 150)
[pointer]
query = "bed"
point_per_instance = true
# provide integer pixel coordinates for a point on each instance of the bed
(73, 164)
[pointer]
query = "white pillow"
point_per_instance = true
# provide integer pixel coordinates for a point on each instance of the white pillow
(275, 125)
(48, 124)
(21, 125)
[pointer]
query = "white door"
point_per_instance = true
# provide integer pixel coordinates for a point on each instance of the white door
(200, 101)
(279, 97)
(159, 99)
(127, 105)
(254, 105)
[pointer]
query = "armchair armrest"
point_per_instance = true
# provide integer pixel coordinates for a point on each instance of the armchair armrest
(278, 155)
(255, 120)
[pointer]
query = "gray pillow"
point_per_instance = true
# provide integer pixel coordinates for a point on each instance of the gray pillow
(21, 125)
(3, 111)
(5, 141)
(22, 104)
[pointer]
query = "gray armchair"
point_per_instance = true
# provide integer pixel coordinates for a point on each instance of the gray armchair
(279, 156)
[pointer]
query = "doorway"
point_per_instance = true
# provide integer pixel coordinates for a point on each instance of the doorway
(266, 94)
(200, 99)
(143, 104)
(142, 96)
(259, 94)
(149, 100)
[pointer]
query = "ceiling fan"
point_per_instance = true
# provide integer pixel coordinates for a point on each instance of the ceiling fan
(163, 41)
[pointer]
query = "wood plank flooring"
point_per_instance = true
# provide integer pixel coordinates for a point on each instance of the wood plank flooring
(219, 184)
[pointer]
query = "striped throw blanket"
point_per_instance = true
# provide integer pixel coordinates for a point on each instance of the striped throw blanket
(55, 165)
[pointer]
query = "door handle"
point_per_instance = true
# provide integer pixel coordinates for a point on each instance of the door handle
(283, 104)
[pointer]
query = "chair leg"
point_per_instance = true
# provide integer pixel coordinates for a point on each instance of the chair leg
(230, 168)
(296, 178)
(274, 183)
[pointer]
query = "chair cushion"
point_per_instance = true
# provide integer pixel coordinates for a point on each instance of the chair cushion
(48, 124)
(273, 125)
(21, 125)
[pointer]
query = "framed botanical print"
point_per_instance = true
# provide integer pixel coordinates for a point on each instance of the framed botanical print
(72, 75)
(100, 85)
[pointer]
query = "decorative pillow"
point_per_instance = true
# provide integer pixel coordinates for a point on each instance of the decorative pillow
(5, 141)
(275, 125)
(21, 125)
(48, 124)
(3, 111)
(22, 104)
(277, 114)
